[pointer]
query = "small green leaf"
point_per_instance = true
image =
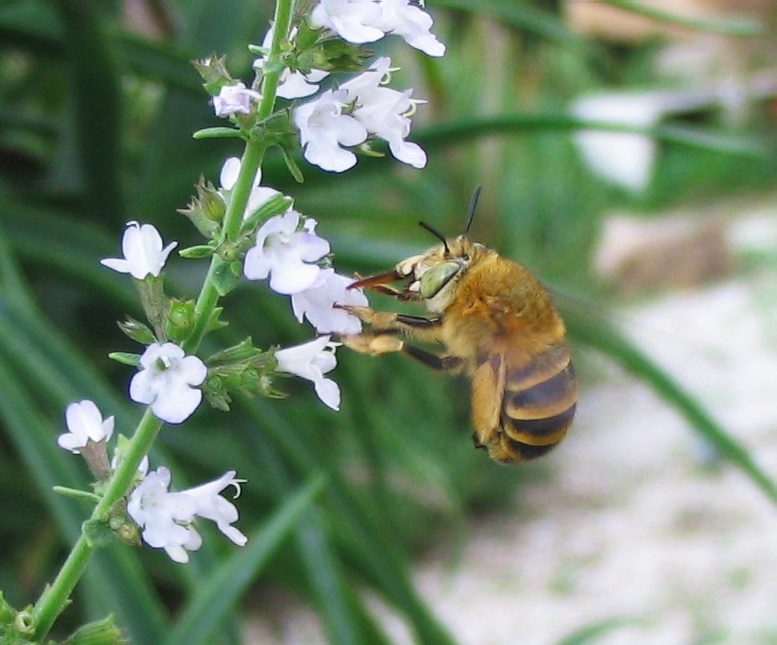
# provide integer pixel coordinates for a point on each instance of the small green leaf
(98, 533)
(196, 252)
(226, 277)
(276, 205)
(218, 133)
(292, 165)
(125, 358)
(137, 331)
(99, 632)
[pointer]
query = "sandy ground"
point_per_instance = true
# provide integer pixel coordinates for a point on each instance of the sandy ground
(639, 521)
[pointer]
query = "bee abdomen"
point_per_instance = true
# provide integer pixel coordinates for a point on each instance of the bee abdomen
(539, 403)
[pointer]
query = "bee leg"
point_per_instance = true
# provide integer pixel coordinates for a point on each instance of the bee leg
(373, 344)
(386, 321)
(488, 385)
(435, 361)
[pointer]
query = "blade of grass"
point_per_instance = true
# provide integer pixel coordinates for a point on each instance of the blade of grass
(730, 26)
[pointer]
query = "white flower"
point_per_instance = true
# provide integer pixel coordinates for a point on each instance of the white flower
(365, 21)
(166, 382)
(323, 129)
(283, 253)
(316, 304)
(85, 423)
(258, 196)
(234, 99)
(404, 19)
(352, 20)
(166, 518)
(384, 111)
(293, 84)
(143, 252)
(211, 506)
(311, 361)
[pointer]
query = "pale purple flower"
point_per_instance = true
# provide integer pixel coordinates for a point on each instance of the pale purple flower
(311, 361)
(286, 254)
(167, 382)
(317, 304)
(324, 129)
(235, 99)
(166, 517)
(143, 252)
(84, 423)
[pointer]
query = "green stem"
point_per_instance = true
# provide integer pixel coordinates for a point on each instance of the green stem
(56, 596)
(249, 165)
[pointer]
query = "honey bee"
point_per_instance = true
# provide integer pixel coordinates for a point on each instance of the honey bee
(498, 326)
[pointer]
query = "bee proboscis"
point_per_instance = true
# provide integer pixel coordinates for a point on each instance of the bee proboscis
(498, 326)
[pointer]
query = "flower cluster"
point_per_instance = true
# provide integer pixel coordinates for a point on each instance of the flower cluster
(352, 114)
(165, 517)
(360, 108)
(289, 253)
(167, 379)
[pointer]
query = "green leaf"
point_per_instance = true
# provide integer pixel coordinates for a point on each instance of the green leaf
(226, 277)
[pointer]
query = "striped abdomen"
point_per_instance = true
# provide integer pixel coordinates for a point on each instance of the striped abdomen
(538, 406)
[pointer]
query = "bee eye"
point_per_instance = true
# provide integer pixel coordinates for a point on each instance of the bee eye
(437, 277)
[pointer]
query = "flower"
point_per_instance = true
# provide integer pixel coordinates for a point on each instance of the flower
(211, 506)
(384, 112)
(143, 252)
(166, 382)
(412, 23)
(311, 361)
(323, 129)
(166, 517)
(85, 423)
(352, 20)
(258, 196)
(234, 99)
(365, 21)
(316, 304)
(293, 84)
(284, 254)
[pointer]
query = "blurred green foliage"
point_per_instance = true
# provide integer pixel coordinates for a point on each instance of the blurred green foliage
(96, 124)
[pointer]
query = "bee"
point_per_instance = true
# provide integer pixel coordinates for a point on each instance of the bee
(497, 325)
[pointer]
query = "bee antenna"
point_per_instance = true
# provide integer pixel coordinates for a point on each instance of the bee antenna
(473, 203)
(437, 234)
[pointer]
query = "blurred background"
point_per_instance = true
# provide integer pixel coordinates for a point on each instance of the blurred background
(627, 155)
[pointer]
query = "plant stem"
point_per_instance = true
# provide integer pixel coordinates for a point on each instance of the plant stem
(56, 596)
(249, 165)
